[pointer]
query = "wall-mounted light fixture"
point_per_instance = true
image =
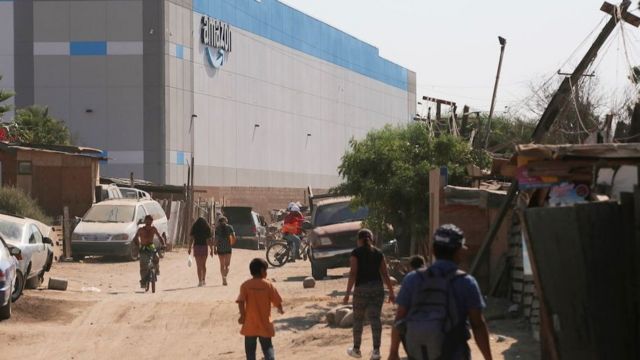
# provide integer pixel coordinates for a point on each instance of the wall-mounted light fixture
(308, 134)
(256, 125)
(88, 111)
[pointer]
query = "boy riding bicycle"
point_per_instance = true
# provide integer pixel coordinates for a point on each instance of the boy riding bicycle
(144, 239)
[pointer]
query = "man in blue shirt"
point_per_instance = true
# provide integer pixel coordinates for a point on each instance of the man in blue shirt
(448, 247)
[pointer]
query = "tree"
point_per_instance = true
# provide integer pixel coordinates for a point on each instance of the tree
(506, 132)
(388, 171)
(578, 118)
(34, 125)
(4, 96)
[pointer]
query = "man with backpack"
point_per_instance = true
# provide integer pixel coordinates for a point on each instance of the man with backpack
(437, 306)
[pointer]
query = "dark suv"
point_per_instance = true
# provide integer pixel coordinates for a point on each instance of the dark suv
(334, 227)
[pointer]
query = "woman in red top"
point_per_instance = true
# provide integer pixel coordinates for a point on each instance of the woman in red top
(292, 228)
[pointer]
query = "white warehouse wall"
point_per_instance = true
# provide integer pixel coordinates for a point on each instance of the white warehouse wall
(289, 94)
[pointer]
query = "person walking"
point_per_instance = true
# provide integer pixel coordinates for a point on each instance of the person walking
(222, 246)
(202, 245)
(257, 295)
(368, 272)
(437, 306)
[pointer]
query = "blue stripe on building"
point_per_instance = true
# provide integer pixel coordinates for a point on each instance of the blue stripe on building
(278, 22)
(179, 51)
(88, 48)
(180, 158)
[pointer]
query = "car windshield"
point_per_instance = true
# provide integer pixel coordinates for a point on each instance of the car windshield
(110, 213)
(11, 231)
(339, 213)
(129, 194)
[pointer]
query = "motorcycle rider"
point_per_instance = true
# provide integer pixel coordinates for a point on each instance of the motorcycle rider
(292, 229)
(144, 239)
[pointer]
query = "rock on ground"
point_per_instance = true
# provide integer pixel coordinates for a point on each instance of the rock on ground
(309, 283)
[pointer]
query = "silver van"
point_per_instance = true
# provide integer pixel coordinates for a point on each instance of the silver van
(108, 228)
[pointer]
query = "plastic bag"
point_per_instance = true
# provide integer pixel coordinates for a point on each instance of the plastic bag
(189, 261)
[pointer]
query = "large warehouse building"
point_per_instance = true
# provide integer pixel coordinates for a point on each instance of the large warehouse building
(276, 94)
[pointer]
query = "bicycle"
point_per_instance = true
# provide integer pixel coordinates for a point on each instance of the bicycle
(279, 253)
(152, 277)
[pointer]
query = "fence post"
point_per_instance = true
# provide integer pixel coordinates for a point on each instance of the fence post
(66, 228)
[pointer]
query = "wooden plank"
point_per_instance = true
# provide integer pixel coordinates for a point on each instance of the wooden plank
(67, 233)
(434, 207)
(578, 270)
(548, 340)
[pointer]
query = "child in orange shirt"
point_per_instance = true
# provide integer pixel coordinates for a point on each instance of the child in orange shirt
(254, 302)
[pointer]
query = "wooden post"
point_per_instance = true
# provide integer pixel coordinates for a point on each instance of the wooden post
(66, 224)
(131, 182)
(548, 345)
(435, 186)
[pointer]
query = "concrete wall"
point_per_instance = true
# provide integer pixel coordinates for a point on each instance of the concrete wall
(88, 68)
(278, 114)
(6, 52)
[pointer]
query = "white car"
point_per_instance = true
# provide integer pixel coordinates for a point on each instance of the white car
(132, 193)
(108, 228)
(8, 269)
(36, 250)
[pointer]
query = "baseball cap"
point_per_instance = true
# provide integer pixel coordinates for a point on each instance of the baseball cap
(449, 235)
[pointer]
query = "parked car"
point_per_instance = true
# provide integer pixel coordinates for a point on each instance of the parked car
(250, 227)
(107, 192)
(108, 228)
(8, 270)
(132, 193)
(334, 226)
(36, 250)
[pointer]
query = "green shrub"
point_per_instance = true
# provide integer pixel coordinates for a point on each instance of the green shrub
(14, 201)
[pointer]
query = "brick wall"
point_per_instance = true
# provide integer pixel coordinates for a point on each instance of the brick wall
(475, 222)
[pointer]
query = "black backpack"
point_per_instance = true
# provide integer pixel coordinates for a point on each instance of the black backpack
(434, 300)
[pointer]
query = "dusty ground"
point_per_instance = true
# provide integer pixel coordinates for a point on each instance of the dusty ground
(183, 321)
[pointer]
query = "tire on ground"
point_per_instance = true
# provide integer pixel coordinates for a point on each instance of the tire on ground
(34, 282)
(318, 271)
(5, 311)
(18, 287)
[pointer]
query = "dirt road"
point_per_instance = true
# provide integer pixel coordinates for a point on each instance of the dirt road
(183, 321)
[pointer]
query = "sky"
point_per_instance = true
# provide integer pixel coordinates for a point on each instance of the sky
(453, 45)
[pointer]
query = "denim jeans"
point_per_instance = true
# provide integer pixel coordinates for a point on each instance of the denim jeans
(250, 345)
(294, 242)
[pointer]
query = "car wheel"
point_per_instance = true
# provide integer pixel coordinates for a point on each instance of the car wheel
(18, 287)
(35, 281)
(5, 311)
(47, 266)
(133, 253)
(318, 271)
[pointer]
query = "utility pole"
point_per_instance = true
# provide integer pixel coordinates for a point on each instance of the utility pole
(503, 44)
(562, 96)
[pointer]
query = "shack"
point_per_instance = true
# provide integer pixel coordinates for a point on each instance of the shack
(55, 176)
(579, 208)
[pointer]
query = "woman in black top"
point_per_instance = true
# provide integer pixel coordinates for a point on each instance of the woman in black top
(368, 271)
(222, 246)
(200, 239)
